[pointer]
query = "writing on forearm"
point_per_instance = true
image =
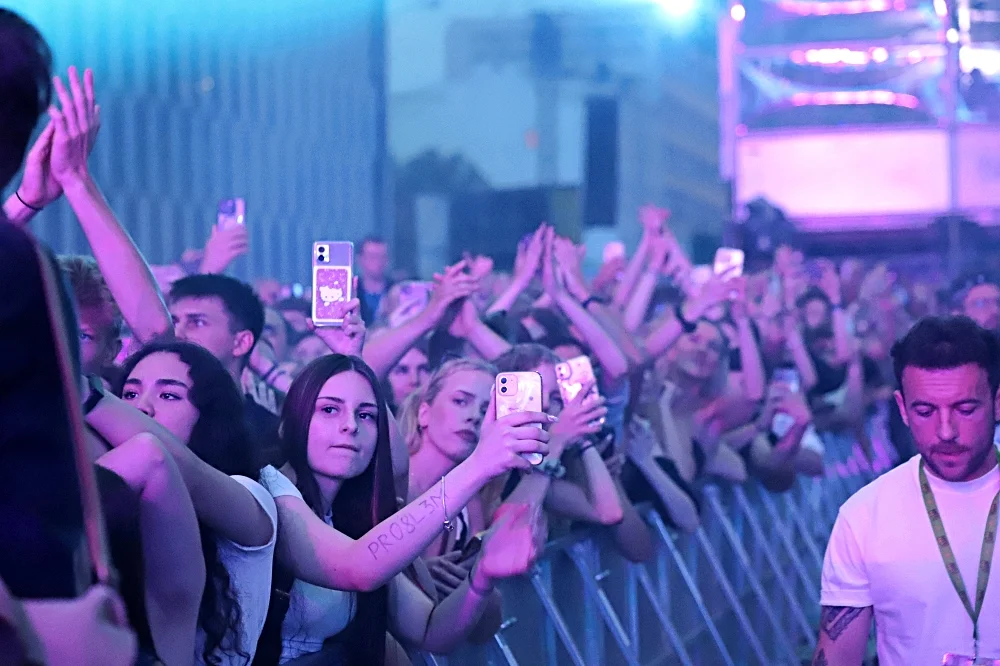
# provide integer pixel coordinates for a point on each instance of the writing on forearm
(820, 658)
(834, 620)
(405, 524)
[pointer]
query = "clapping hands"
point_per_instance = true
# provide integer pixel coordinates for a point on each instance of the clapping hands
(60, 152)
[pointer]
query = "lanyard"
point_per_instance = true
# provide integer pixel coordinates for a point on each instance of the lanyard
(951, 565)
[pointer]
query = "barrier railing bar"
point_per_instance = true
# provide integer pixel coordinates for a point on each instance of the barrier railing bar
(680, 650)
(654, 519)
(579, 553)
(734, 601)
(793, 603)
(503, 647)
(712, 496)
(803, 528)
(782, 528)
(632, 603)
(552, 611)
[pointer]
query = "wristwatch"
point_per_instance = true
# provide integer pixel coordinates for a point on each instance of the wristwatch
(551, 468)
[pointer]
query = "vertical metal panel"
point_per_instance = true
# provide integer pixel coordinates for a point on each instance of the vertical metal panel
(231, 98)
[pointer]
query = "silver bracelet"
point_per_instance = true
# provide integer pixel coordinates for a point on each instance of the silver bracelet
(448, 525)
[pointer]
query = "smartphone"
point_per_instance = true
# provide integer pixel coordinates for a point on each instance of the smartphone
(573, 375)
(414, 296)
(519, 392)
(232, 212)
(333, 278)
(789, 377)
(782, 423)
(729, 262)
(472, 548)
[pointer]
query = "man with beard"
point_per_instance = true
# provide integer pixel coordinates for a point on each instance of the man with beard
(908, 551)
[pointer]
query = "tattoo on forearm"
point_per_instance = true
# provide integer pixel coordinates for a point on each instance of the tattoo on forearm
(403, 524)
(820, 658)
(834, 620)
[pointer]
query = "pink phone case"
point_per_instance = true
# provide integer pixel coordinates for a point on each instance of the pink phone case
(332, 281)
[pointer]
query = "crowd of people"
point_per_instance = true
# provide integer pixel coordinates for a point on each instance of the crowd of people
(279, 492)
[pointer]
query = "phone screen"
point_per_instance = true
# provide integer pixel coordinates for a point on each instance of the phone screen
(232, 212)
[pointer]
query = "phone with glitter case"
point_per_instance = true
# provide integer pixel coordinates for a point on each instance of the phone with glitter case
(520, 392)
(573, 375)
(333, 280)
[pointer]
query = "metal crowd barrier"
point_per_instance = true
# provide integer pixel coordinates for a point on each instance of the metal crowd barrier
(743, 590)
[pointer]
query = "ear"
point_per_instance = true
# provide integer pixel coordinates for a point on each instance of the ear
(423, 415)
(242, 343)
(902, 407)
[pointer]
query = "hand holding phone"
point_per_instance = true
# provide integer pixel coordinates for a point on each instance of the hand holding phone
(573, 376)
(518, 404)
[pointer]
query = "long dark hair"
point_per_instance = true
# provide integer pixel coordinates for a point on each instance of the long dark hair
(221, 438)
(361, 503)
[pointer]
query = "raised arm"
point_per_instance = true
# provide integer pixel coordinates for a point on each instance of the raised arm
(652, 219)
(321, 555)
(221, 502)
(563, 282)
(383, 350)
(529, 257)
(469, 327)
(642, 294)
(128, 277)
(754, 381)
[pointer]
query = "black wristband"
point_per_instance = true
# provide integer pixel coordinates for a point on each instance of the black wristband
(25, 203)
(593, 299)
(686, 326)
(97, 393)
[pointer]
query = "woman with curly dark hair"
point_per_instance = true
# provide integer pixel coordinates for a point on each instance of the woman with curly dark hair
(195, 409)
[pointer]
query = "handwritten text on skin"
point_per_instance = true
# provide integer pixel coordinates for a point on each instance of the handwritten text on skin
(405, 523)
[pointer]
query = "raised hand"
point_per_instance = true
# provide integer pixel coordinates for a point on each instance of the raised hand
(829, 282)
(348, 338)
(466, 321)
(452, 285)
(75, 127)
(567, 263)
(579, 418)
(224, 246)
(504, 443)
(653, 219)
(529, 258)
(513, 544)
(39, 186)
(552, 281)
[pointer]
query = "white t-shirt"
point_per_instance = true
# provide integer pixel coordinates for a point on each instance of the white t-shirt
(882, 553)
(314, 613)
(249, 578)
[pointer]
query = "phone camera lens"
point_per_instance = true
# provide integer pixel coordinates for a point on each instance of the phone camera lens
(503, 390)
(503, 380)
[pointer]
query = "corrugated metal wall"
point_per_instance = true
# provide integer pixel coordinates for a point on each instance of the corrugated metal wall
(201, 101)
